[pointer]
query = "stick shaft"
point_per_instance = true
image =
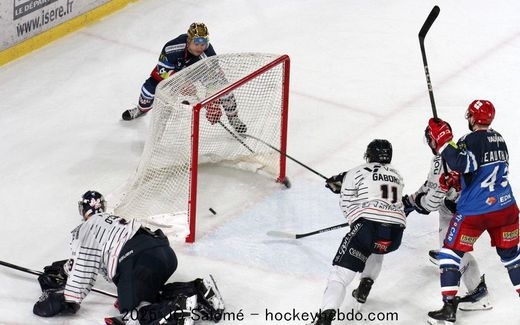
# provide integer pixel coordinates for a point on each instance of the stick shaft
(236, 136)
(286, 155)
(283, 234)
(422, 34)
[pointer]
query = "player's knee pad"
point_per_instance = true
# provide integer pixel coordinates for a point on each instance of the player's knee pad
(509, 257)
(229, 103)
(449, 259)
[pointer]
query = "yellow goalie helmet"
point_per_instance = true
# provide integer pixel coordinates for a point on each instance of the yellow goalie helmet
(198, 32)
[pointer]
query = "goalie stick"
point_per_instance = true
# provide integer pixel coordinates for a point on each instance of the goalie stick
(23, 269)
(290, 235)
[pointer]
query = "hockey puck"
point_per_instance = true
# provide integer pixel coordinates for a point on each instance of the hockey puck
(212, 211)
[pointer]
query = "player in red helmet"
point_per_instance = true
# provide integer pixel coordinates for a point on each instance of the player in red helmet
(486, 201)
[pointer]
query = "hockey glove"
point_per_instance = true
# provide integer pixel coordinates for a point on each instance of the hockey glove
(213, 113)
(440, 133)
(52, 302)
(451, 205)
(54, 276)
(334, 183)
(418, 206)
(408, 204)
(450, 180)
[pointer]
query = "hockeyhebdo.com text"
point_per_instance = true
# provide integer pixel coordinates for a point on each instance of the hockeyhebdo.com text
(268, 316)
(293, 315)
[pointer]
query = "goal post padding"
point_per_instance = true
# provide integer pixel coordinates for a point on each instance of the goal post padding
(181, 138)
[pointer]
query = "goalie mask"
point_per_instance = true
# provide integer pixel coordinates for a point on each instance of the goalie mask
(198, 33)
(379, 150)
(91, 202)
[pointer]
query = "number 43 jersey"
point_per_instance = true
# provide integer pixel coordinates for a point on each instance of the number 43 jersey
(483, 160)
(373, 191)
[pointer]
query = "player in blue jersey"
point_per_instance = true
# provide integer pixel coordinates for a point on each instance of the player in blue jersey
(177, 54)
(486, 201)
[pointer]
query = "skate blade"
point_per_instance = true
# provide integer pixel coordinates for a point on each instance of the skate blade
(475, 306)
(433, 321)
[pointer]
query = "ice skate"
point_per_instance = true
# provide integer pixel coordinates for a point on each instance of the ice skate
(434, 256)
(236, 123)
(132, 113)
(447, 315)
(210, 297)
(325, 317)
(478, 299)
(180, 312)
(362, 291)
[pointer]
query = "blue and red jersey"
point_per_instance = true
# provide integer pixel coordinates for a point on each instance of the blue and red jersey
(483, 160)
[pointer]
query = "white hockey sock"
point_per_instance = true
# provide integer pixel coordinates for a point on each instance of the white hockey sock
(373, 266)
(339, 279)
(470, 272)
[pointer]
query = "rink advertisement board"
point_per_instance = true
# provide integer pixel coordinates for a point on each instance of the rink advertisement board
(22, 19)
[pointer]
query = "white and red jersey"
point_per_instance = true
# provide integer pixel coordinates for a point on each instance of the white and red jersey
(95, 246)
(373, 191)
(433, 195)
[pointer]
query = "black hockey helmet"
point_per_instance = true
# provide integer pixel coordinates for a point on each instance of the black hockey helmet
(379, 150)
(91, 202)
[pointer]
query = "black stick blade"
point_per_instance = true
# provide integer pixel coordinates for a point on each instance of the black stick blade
(429, 21)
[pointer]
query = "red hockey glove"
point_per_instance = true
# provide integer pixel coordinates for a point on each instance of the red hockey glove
(440, 132)
(450, 180)
(213, 113)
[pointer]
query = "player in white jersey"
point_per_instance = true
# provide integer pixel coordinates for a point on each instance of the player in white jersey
(137, 260)
(370, 198)
(440, 193)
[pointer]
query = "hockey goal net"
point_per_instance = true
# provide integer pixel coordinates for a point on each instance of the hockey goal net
(164, 186)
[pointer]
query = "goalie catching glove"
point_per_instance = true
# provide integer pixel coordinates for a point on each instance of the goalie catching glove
(54, 276)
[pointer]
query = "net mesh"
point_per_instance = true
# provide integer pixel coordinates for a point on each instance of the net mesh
(230, 82)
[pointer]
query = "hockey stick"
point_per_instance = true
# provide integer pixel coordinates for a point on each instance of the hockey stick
(23, 269)
(283, 234)
(422, 34)
(285, 154)
(236, 137)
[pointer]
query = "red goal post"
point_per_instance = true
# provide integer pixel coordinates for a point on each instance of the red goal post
(164, 188)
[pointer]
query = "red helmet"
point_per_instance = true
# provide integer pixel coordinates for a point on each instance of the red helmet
(482, 111)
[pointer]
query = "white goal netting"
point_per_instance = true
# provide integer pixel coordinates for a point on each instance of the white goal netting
(250, 86)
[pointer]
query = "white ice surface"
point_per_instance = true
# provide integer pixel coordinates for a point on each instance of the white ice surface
(356, 75)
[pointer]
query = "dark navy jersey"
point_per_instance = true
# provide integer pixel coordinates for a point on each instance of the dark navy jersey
(483, 160)
(175, 57)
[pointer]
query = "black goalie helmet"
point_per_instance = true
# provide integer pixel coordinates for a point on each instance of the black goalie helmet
(379, 150)
(91, 202)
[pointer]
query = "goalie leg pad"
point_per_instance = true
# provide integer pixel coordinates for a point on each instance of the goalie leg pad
(52, 303)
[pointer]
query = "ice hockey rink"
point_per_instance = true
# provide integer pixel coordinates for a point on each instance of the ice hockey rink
(356, 75)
